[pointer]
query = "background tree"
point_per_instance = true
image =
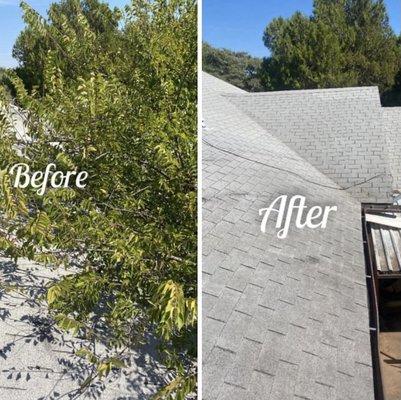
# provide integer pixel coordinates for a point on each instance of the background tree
(238, 68)
(125, 111)
(392, 97)
(31, 48)
(344, 43)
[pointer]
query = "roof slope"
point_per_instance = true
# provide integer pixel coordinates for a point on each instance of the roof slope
(392, 128)
(340, 131)
(282, 319)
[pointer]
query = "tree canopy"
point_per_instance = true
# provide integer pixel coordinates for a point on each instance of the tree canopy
(343, 43)
(31, 49)
(238, 68)
(113, 93)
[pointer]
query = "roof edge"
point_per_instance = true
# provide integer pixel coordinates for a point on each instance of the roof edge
(223, 86)
(367, 89)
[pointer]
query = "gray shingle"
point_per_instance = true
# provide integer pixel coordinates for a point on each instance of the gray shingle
(339, 131)
(292, 314)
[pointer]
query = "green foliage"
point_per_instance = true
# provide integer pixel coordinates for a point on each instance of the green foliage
(177, 389)
(68, 21)
(112, 93)
(172, 309)
(5, 84)
(238, 68)
(344, 43)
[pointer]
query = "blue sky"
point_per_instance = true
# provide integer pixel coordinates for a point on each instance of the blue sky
(11, 24)
(239, 24)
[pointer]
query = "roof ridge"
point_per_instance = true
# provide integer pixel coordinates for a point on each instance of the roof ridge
(309, 91)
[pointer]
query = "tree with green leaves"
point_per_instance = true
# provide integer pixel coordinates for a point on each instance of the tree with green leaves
(238, 68)
(344, 43)
(30, 49)
(125, 112)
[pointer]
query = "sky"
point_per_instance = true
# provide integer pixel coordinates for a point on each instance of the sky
(239, 24)
(11, 24)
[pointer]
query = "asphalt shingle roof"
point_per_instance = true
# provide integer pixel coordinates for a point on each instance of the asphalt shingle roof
(392, 128)
(285, 319)
(339, 131)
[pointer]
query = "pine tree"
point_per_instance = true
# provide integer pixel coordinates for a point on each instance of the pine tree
(344, 43)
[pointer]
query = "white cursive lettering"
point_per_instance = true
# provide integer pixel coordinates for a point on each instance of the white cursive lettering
(315, 217)
(39, 180)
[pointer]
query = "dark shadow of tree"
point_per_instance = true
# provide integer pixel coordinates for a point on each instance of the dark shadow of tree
(144, 375)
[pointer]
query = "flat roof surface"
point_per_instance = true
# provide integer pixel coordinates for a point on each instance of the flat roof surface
(37, 360)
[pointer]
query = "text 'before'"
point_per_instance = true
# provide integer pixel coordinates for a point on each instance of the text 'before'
(41, 179)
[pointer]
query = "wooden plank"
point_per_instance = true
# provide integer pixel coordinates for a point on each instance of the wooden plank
(381, 261)
(385, 219)
(391, 258)
(396, 238)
